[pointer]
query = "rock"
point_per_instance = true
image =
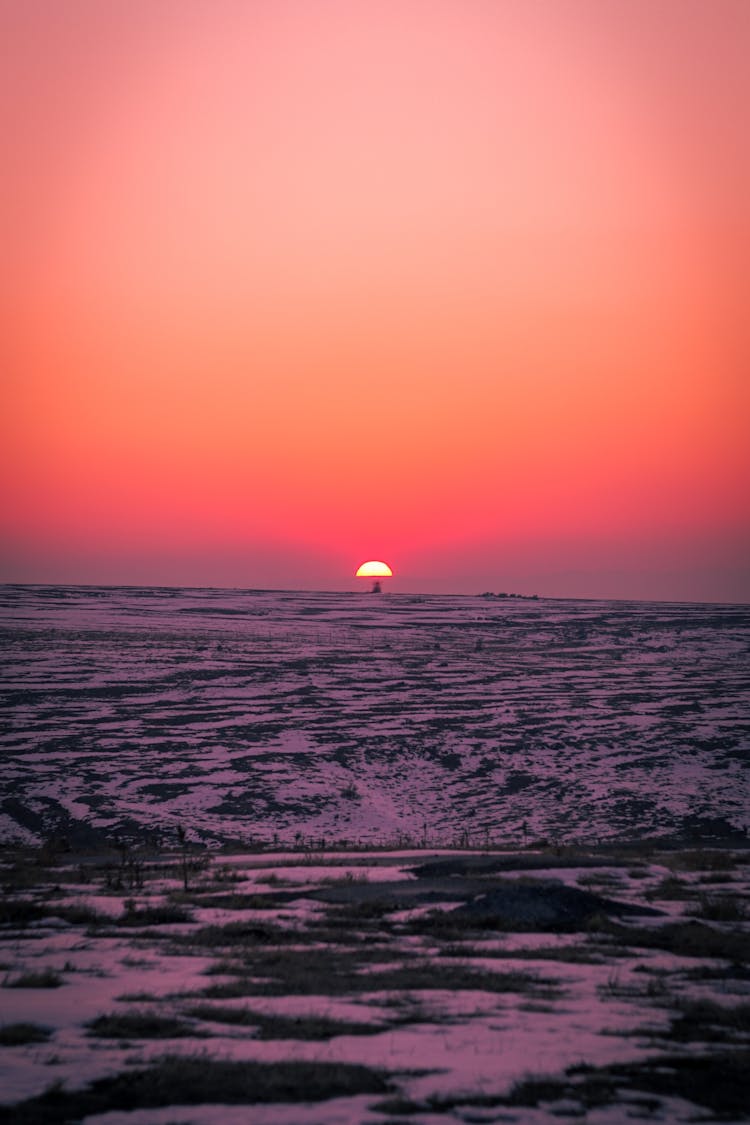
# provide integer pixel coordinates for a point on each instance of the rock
(545, 905)
(472, 865)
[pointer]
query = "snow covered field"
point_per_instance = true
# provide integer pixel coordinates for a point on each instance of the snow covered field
(375, 989)
(301, 717)
(364, 925)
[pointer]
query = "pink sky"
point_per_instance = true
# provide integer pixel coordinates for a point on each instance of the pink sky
(460, 285)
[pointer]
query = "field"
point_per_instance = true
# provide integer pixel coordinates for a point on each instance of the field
(249, 716)
(325, 859)
(522, 986)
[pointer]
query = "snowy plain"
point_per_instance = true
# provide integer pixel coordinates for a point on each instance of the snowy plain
(354, 775)
(263, 715)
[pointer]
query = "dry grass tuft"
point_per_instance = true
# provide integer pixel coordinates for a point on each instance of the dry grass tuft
(45, 978)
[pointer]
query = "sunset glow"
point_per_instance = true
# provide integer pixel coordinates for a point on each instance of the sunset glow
(463, 280)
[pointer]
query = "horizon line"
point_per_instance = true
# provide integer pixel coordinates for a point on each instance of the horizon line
(500, 595)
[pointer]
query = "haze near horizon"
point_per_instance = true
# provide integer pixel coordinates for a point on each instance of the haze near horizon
(460, 286)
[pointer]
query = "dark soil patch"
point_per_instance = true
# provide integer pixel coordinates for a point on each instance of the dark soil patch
(80, 915)
(238, 934)
(539, 906)
(230, 901)
(403, 894)
(512, 904)
(719, 1083)
(671, 889)
(398, 1106)
(686, 939)
(197, 1081)
(730, 975)
(283, 1027)
(707, 1022)
(154, 916)
(331, 973)
(722, 908)
(573, 954)
(706, 859)
(138, 1025)
(473, 865)
(21, 912)
(16, 1034)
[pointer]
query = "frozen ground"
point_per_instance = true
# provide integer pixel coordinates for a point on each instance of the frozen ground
(347, 991)
(302, 717)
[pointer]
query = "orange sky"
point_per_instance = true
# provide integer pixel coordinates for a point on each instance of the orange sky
(459, 284)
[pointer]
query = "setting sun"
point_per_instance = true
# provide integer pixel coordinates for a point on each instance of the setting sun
(374, 569)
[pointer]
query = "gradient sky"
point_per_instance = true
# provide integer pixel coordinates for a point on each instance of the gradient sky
(458, 284)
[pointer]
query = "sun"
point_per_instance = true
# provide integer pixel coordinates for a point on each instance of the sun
(374, 569)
